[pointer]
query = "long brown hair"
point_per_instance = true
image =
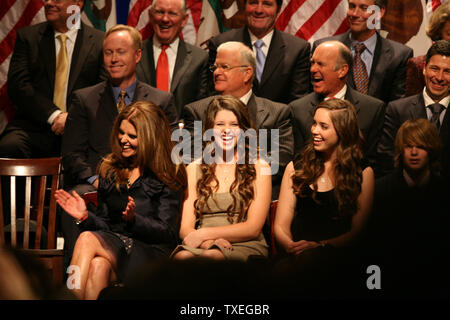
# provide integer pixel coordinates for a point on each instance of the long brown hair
(245, 173)
(153, 151)
(347, 164)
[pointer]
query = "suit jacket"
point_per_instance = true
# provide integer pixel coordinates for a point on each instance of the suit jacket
(265, 114)
(89, 124)
(190, 74)
(286, 71)
(388, 74)
(31, 75)
(399, 111)
(370, 113)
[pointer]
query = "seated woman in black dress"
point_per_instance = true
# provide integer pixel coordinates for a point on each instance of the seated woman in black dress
(326, 196)
(139, 200)
(228, 193)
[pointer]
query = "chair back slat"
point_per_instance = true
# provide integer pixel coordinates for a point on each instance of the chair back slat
(52, 214)
(2, 217)
(13, 211)
(40, 208)
(26, 214)
(38, 213)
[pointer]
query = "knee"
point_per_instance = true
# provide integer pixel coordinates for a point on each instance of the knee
(99, 266)
(182, 255)
(86, 240)
(213, 254)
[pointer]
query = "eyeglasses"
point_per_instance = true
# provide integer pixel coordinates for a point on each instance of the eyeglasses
(224, 67)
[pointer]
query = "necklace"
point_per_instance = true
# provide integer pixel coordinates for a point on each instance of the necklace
(323, 180)
(128, 183)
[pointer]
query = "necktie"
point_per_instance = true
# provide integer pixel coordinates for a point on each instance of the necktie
(121, 104)
(62, 68)
(162, 70)
(360, 76)
(436, 109)
(260, 59)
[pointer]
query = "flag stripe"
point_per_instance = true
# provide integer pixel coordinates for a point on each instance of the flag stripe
(6, 5)
(7, 44)
(285, 16)
(317, 19)
(302, 15)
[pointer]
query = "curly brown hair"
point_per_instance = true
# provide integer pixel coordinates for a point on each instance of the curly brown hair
(245, 173)
(153, 151)
(347, 169)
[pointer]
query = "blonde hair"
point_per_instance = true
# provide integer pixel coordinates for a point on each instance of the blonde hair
(135, 35)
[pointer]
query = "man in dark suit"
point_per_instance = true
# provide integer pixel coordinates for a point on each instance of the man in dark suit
(187, 65)
(40, 119)
(330, 65)
(92, 113)
(384, 61)
(233, 74)
(283, 59)
(431, 104)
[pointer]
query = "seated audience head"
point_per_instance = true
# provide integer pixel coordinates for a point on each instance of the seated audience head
(234, 69)
(261, 15)
(141, 137)
(336, 137)
(168, 18)
(59, 14)
(417, 146)
(437, 70)
(439, 25)
(359, 17)
(225, 115)
(229, 118)
(122, 50)
(330, 64)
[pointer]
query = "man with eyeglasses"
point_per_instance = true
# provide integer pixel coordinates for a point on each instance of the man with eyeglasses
(168, 62)
(50, 61)
(282, 70)
(233, 74)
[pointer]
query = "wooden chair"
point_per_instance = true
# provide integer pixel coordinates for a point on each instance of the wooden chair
(39, 214)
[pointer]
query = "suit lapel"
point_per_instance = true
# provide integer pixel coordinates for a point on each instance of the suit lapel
(274, 56)
(147, 64)
(140, 93)
(257, 112)
(417, 108)
(184, 57)
(81, 50)
(378, 69)
(350, 96)
(47, 53)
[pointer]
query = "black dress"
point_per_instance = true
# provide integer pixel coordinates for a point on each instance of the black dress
(152, 235)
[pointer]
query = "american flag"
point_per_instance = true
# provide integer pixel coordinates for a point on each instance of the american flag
(308, 19)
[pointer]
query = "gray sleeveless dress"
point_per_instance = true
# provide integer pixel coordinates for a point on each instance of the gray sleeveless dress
(214, 215)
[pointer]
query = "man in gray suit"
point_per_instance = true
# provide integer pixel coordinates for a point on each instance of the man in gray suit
(39, 122)
(384, 60)
(283, 60)
(187, 65)
(330, 65)
(93, 111)
(233, 74)
(435, 93)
